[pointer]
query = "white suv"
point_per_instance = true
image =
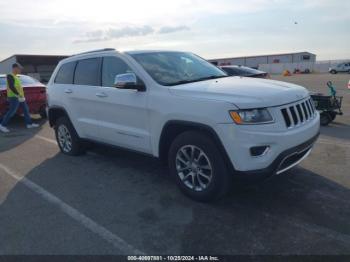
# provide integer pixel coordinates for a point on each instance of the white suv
(178, 107)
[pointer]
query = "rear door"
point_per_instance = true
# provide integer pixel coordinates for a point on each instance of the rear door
(122, 114)
(82, 97)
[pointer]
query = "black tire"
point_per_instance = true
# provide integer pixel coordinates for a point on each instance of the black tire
(325, 119)
(333, 72)
(221, 180)
(43, 113)
(76, 146)
(332, 115)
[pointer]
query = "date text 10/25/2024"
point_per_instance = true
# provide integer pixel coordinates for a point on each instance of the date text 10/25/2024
(173, 258)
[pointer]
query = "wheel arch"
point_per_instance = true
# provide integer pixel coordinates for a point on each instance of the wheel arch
(55, 113)
(173, 128)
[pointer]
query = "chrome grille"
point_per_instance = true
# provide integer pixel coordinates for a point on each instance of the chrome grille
(299, 113)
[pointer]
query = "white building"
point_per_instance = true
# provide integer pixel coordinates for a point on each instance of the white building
(255, 61)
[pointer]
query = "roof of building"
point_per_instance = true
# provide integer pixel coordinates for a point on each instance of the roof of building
(261, 56)
(32, 55)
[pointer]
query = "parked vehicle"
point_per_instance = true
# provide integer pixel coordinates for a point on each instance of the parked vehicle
(329, 106)
(342, 67)
(178, 107)
(234, 70)
(35, 94)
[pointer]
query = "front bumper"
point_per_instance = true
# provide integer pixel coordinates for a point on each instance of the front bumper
(282, 141)
(285, 161)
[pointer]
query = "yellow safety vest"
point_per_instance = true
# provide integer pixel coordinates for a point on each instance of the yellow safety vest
(18, 86)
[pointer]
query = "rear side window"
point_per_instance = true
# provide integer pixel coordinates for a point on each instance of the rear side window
(27, 80)
(87, 72)
(65, 74)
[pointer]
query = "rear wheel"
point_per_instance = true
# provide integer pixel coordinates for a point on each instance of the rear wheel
(333, 71)
(67, 138)
(198, 167)
(43, 113)
(325, 119)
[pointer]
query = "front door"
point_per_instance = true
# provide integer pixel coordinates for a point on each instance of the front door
(122, 114)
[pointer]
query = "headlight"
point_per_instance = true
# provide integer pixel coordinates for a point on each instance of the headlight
(251, 116)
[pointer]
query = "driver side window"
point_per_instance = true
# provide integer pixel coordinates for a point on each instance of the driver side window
(111, 67)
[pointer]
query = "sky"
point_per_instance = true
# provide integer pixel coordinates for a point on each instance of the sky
(212, 29)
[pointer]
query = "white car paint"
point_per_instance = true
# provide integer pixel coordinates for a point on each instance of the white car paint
(135, 120)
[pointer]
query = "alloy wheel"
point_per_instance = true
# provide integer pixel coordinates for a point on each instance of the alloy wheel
(64, 138)
(193, 167)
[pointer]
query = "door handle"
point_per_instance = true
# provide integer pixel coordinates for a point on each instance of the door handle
(68, 91)
(100, 94)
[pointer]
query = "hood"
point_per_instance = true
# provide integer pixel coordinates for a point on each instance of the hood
(243, 92)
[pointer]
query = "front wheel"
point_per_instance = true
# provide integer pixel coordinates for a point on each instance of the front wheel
(333, 72)
(67, 138)
(198, 167)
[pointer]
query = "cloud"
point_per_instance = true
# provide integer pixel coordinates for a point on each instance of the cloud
(172, 29)
(127, 31)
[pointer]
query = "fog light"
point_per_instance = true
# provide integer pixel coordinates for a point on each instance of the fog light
(259, 150)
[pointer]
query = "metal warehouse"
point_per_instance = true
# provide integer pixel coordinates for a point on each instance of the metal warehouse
(38, 66)
(255, 61)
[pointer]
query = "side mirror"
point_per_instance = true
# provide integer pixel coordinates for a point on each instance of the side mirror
(128, 81)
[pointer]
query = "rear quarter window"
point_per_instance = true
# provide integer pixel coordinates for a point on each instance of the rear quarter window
(65, 73)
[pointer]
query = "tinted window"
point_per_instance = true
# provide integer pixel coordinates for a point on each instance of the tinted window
(111, 67)
(65, 74)
(87, 72)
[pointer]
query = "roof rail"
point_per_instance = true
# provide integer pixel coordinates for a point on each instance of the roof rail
(96, 51)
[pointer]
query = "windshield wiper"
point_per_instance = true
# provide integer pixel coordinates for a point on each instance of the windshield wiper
(195, 80)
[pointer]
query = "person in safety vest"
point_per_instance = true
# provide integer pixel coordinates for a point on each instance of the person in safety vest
(15, 97)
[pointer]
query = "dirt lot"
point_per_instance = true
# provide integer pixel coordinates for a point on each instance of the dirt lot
(114, 202)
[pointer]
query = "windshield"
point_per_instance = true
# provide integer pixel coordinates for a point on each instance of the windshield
(25, 80)
(241, 71)
(173, 68)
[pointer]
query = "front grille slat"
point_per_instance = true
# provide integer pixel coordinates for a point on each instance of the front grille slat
(308, 108)
(294, 115)
(306, 114)
(287, 118)
(298, 113)
(312, 105)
